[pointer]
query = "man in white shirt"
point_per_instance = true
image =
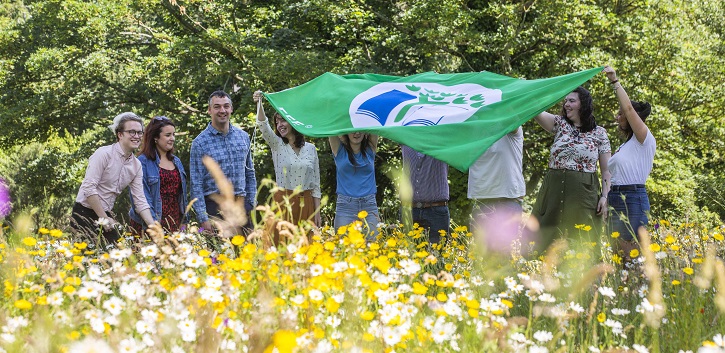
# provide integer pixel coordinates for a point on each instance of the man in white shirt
(496, 185)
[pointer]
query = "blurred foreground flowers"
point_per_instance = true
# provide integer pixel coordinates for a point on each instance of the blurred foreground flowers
(338, 293)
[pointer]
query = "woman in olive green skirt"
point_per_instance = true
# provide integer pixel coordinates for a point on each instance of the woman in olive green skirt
(569, 201)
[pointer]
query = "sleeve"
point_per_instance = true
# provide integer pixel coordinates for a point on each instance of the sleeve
(196, 173)
(250, 181)
(137, 190)
(94, 172)
(315, 174)
(558, 121)
(273, 140)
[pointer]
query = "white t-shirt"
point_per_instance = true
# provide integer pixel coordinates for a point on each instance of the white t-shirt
(498, 172)
(632, 162)
(291, 169)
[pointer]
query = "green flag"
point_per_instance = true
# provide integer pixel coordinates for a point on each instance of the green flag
(452, 117)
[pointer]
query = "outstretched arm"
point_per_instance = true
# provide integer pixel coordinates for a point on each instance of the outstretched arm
(373, 142)
(334, 144)
(635, 122)
(546, 120)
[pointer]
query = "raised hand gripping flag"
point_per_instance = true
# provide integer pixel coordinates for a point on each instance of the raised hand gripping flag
(452, 117)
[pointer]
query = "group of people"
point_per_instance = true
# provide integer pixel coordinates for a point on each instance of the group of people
(571, 192)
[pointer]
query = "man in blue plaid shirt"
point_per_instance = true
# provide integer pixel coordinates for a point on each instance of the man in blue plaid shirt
(230, 147)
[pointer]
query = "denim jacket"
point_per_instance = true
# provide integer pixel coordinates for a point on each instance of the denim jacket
(152, 189)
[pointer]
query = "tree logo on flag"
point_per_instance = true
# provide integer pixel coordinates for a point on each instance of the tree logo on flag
(419, 104)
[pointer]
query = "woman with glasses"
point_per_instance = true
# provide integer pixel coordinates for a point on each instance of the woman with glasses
(110, 170)
(630, 166)
(164, 178)
(296, 167)
(569, 197)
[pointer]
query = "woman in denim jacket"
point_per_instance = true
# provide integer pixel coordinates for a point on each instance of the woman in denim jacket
(164, 177)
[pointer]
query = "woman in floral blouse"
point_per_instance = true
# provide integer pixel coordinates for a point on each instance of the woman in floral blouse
(570, 194)
(296, 166)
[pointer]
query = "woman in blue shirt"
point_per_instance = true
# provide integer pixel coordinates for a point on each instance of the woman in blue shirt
(356, 187)
(164, 178)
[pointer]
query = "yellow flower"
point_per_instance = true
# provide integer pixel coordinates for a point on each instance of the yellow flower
(675, 282)
(669, 239)
(419, 288)
(602, 317)
(29, 241)
(362, 214)
(238, 240)
(587, 228)
(615, 235)
(718, 236)
(56, 233)
(654, 247)
(634, 253)
(688, 270)
(442, 297)
(23, 304)
(80, 246)
(367, 315)
(616, 259)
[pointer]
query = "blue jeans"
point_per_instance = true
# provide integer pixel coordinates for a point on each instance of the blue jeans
(630, 210)
(348, 207)
(433, 219)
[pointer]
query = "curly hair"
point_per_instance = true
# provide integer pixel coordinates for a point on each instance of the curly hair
(586, 109)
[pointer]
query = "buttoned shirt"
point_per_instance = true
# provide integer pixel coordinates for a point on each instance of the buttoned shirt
(292, 169)
(428, 176)
(109, 171)
(233, 154)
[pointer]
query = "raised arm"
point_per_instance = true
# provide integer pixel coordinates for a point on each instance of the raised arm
(546, 120)
(257, 96)
(373, 142)
(625, 106)
(334, 144)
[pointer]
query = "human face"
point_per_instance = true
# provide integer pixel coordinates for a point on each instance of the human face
(220, 109)
(165, 141)
(131, 136)
(572, 104)
(621, 120)
(356, 138)
(283, 127)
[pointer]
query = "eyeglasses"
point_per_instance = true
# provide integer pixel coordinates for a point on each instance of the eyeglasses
(134, 133)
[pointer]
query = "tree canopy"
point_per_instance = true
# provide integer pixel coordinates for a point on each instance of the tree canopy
(68, 66)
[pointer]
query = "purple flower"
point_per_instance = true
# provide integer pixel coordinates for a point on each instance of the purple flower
(5, 201)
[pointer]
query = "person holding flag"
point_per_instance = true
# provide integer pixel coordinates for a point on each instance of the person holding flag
(296, 166)
(569, 196)
(354, 155)
(630, 166)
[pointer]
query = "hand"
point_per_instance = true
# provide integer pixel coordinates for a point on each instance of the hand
(611, 74)
(257, 96)
(108, 223)
(602, 207)
(207, 227)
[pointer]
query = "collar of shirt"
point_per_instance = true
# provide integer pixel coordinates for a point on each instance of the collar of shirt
(116, 148)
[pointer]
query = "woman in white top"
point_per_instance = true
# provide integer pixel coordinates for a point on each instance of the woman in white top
(296, 167)
(630, 166)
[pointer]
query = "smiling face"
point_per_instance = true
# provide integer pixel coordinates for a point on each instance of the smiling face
(356, 138)
(220, 108)
(165, 141)
(130, 135)
(572, 105)
(283, 127)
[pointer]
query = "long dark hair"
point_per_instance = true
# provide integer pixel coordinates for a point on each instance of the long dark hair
(586, 109)
(299, 138)
(643, 109)
(364, 145)
(153, 131)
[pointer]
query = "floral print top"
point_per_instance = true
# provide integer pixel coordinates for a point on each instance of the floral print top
(575, 150)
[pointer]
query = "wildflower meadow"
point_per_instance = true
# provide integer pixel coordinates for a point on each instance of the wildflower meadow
(335, 292)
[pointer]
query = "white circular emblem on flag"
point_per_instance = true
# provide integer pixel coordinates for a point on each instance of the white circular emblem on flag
(419, 104)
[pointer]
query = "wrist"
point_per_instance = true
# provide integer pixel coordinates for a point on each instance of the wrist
(614, 81)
